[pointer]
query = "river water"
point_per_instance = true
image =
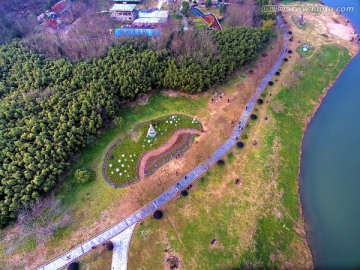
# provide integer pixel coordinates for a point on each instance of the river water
(330, 168)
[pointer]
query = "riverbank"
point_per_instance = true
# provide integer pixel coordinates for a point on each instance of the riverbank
(307, 123)
(328, 178)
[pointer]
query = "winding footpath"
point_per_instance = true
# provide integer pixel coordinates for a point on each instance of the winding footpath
(82, 249)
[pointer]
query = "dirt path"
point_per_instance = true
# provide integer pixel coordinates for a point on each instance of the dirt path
(162, 149)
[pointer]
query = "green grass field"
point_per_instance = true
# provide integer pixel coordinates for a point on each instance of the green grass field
(125, 156)
(254, 222)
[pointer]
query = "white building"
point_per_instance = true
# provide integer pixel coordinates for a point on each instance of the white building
(123, 12)
(154, 18)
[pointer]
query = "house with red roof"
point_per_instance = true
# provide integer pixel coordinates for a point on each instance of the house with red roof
(53, 25)
(61, 7)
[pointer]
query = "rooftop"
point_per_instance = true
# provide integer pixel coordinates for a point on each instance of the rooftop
(126, 32)
(153, 14)
(127, 1)
(53, 24)
(61, 6)
(122, 7)
(149, 21)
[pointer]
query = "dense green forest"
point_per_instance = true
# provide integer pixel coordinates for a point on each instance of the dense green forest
(50, 109)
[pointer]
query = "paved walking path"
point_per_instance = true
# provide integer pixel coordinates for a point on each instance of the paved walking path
(75, 253)
(121, 249)
(184, 19)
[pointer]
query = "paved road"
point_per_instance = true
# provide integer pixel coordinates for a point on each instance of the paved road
(184, 19)
(121, 248)
(75, 253)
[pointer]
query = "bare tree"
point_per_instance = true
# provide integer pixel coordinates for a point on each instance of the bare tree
(197, 45)
(41, 220)
(241, 13)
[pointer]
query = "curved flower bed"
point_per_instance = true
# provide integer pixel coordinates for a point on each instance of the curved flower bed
(182, 144)
(123, 158)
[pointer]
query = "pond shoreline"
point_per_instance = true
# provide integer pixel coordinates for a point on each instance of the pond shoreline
(321, 99)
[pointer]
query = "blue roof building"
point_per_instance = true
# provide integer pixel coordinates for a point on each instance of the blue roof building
(136, 32)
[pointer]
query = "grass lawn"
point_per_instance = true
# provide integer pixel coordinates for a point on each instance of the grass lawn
(257, 223)
(124, 157)
(214, 10)
(175, 16)
(99, 259)
(198, 20)
(201, 25)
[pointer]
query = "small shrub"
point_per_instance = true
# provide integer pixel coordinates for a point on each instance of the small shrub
(30, 244)
(271, 83)
(230, 157)
(277, 73)
(109, 246)
(73, 266)
(240, 144)
(184, 193)
(285, 59)
(260, 101)
(221, 162)
(290, 33)
(158, 214)
(253, 116)
(290, 51)
(83, 176)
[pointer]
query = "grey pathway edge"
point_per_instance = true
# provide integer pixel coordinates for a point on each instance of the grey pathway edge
(80, 250)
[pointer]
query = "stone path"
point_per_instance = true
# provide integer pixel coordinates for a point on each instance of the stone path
(184, 19)
(121, 249)
(162, 149)
(75, 253)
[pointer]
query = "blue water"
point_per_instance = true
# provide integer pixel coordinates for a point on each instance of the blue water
(330, 168)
